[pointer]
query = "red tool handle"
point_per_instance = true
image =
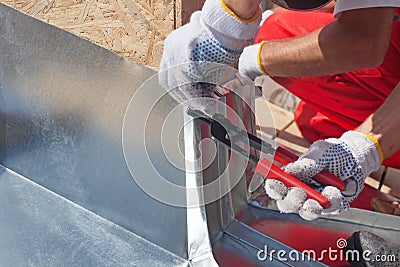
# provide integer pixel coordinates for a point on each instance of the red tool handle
(271, 171)
(284, 157)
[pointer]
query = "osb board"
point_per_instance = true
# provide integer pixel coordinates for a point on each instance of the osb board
(134, 29)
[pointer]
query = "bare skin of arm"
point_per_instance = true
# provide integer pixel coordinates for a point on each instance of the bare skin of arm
(357, 39)
(384, 124)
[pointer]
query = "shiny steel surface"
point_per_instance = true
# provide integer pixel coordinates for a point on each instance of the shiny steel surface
(233, 242)
(241, 102)
(199, 245)
(40, 228)
(63, 101)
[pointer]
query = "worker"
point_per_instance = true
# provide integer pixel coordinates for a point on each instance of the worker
(345, 68)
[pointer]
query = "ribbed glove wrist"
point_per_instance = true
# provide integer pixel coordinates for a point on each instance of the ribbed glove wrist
(250, 61)
(227, 29)
(364, 150)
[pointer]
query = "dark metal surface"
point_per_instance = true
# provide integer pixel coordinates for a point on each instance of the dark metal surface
(63, 101)
(40, 228)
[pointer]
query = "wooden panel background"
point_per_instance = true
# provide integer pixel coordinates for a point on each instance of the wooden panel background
(134, 29)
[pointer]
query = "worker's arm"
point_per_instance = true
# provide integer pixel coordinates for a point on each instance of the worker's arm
(357, 39)
(384, 124)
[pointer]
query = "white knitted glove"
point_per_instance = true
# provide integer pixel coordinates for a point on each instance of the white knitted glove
(351, 158)
(250, 61)
(212, 36)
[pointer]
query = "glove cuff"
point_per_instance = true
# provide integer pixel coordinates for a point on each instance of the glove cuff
(257, 51)
(218, 17)
(364, 150)
(250, 61)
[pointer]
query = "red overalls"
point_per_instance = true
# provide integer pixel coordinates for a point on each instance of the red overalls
(336, 103)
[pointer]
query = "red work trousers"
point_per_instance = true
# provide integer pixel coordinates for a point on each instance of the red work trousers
(333, 104)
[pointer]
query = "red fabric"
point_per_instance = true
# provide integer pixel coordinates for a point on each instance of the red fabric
(336, 103)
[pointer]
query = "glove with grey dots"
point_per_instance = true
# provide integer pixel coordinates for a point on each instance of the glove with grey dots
(352, 157)
(188, 68)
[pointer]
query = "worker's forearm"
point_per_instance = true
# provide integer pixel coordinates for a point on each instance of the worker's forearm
(294, 57)
(245, 9)
(384, 124)
(358, 39)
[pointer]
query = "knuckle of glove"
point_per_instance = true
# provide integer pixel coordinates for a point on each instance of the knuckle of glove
(275, 189)
(316, 151)
(293, 200)
(310, 210)
(334, 197)
(303, 168)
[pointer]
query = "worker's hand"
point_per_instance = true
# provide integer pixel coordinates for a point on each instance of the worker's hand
(212, 36)
(250, 61)
(351, 158)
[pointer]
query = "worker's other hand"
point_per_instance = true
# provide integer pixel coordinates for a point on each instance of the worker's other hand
(213, 36)
(250, 60)
(351, 158)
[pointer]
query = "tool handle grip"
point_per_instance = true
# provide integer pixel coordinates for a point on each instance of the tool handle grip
(271, 171)
(284, 157)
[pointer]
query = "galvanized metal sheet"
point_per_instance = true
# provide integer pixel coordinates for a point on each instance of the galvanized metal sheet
(40, 228)
(63, 102)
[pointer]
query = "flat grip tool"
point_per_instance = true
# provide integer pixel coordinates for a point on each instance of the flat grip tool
(230, 135)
